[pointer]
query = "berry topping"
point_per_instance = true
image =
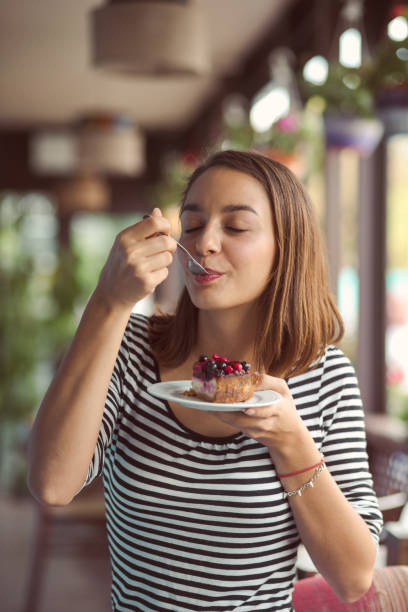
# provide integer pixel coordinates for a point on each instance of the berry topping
(211, 369)
(206, 368)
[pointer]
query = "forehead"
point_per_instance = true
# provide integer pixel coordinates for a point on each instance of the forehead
(219, 186)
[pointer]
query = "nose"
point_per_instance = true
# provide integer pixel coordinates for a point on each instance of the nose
(208, 242)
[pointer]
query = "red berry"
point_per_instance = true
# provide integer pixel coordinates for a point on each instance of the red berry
(215, 356)
(238, 366)
(228, 369)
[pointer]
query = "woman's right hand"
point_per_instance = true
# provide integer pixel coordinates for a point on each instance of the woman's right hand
(137, 262)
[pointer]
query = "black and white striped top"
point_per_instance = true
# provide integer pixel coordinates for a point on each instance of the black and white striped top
(198, 523)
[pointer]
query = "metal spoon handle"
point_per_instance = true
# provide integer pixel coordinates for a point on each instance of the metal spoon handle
(187, 253)
(192, 258)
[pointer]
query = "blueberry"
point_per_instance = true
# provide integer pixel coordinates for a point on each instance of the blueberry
(245, 365)
(203, 358)
(211, 369)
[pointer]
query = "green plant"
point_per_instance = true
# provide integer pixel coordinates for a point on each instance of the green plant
(19, 329)
(39, 292)
(390, 68)
(346, 91)
(285, 135)
(354, 91)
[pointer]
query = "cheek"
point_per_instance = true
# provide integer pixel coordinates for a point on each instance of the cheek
(257, 257)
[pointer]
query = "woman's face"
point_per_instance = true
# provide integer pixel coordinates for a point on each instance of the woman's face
(227, 226)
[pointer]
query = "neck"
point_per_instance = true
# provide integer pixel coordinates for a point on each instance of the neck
(230, 333)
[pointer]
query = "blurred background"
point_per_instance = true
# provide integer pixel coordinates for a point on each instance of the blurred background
(105, 109)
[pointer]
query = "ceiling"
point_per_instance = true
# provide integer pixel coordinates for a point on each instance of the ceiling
(46, 76)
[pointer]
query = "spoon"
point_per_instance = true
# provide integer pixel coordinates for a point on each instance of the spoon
(192, 264)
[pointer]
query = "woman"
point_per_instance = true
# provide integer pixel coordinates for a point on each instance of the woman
(197, 514)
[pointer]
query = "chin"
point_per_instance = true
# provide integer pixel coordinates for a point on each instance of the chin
(215, 301)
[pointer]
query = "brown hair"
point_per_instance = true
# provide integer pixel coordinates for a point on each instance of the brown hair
(297, 316)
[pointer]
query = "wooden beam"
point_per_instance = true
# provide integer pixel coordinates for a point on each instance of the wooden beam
(372, 258)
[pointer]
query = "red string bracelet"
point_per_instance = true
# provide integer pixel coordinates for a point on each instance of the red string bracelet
(316, 465)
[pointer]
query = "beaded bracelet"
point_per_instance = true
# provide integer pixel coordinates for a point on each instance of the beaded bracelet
(307, 484)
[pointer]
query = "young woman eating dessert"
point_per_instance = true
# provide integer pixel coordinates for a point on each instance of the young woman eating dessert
(205, 509)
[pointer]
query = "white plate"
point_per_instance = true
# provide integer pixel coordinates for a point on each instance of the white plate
(172, 391)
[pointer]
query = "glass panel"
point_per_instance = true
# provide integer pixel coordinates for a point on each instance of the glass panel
(397, 276)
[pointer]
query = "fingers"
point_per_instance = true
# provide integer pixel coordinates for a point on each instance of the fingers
(153, 263)
(158, 244)
(263, 412)
(275, 384)
(149, 226)
(137, 248)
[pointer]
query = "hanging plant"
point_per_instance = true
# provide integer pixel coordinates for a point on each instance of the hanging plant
(358, 101)
(348, 103)
(286, 141)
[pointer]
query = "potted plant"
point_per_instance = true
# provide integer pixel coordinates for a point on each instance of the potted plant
(286, 140)
(349, 113)
(388, 80)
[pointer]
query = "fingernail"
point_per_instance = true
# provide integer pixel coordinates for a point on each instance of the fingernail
(249, 411)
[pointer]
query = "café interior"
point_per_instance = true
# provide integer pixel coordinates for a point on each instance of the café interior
(105, 110)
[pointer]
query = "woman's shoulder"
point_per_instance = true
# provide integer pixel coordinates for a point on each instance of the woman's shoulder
(334, 359)
(336, 372)
(331, 364)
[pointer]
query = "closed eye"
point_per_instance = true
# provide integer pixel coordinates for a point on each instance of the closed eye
(236, 230)
(191, 229)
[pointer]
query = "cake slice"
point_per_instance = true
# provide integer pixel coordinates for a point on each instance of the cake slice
(223, 381)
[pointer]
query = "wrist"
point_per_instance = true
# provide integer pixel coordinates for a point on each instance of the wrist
(109, 306)
(300, 453)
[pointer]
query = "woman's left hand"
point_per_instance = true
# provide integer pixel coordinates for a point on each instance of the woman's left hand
(278, 426)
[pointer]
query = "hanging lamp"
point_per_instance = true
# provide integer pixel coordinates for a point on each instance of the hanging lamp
(110, 143)
(150, 37)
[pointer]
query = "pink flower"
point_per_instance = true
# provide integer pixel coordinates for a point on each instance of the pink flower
(190, 158)
(289, 123)
(399, 10)
(394, 377)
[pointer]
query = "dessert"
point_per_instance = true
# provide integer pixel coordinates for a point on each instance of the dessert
(223, 381)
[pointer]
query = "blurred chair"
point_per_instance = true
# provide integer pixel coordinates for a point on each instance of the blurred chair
(76, 529)
(387, 447)
(388, 593)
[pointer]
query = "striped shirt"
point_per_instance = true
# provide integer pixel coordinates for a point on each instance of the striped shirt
(197, 523)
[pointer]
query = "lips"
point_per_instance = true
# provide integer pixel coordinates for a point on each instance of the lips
(205, 279)
(210, 271)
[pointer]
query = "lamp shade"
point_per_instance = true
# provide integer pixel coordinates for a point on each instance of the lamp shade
(110, 144)
(83, 192)
(151, 37)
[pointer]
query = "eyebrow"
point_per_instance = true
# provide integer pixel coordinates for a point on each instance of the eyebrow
(226, 209)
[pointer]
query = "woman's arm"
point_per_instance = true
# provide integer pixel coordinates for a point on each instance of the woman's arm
(335, 535)
(66, 428)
